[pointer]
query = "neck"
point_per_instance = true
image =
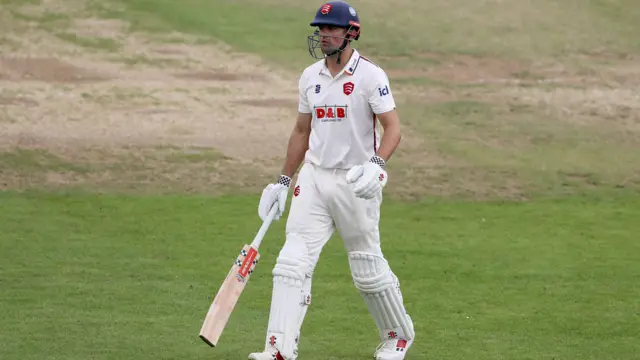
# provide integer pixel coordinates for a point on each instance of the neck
(332, 61)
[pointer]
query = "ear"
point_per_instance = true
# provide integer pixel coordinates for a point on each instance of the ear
(353, 33)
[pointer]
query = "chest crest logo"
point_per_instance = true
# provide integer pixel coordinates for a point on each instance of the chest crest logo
(348, 88)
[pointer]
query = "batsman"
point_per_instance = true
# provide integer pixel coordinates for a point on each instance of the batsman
(346, 130)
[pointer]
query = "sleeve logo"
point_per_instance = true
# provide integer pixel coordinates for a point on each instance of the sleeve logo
(384, 91)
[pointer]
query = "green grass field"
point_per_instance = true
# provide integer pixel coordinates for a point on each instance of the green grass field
(511, 217)
(88, 276)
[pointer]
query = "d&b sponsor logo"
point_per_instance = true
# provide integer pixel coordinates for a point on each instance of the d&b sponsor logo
(331, 113)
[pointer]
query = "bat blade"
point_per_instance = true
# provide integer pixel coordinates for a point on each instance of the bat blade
(227, 297)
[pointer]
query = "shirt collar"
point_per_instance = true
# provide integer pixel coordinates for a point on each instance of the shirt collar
(349, 68)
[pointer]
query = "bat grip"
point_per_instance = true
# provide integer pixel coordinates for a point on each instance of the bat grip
(265, 226)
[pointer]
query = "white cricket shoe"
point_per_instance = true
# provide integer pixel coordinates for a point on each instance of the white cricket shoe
(393, 349)
(270, 354)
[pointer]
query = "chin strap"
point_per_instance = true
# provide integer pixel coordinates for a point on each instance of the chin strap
(340, 50)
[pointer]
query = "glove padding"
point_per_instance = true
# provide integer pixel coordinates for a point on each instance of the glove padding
(272, 194)
(367, 180)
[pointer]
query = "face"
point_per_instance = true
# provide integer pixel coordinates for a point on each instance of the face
(331, 38)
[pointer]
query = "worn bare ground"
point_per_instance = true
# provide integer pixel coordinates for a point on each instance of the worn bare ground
(83, 99)
(596, 89)
(579, 97)
(179, 95)
(152, 114)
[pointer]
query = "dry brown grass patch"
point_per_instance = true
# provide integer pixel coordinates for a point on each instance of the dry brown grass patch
(270, 103)
(616, 107)
(101, 28)
(17, 100)
(20, 68)
(216, 75)
(131, 118)
(86, 106)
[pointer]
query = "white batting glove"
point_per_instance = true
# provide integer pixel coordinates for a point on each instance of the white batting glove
(368, 179)
(274, 193)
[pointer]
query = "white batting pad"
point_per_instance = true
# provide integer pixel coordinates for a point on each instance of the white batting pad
(289, 300)
(380, 290)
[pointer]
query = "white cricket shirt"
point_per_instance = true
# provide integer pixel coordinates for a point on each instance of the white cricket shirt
(344, 129)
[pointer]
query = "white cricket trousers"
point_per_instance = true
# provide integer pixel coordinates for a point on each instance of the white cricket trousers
(323, 202)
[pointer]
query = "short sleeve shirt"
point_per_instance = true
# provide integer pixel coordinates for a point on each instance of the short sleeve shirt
(344, 129)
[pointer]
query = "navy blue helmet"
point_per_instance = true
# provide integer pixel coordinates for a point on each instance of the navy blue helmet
(334, 13)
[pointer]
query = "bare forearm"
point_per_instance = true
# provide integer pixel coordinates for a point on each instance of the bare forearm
(298, 145)
(389, 142)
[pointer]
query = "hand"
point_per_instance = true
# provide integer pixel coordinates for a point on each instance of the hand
(368, 179)
(272, 194)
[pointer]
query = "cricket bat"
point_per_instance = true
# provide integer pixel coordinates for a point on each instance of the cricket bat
(233, 285)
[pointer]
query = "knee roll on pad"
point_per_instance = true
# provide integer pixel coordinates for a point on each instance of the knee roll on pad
(380, 290)
(293, 261)
(291, 270)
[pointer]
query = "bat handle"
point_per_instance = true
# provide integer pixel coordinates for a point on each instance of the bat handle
(265, 226)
